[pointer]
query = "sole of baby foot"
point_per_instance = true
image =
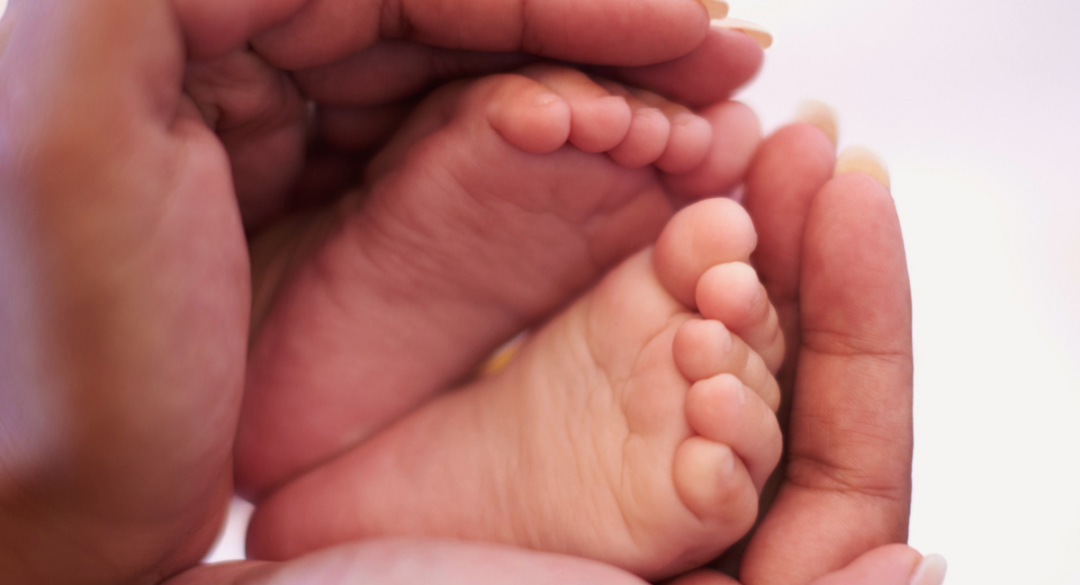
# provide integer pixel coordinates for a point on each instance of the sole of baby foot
(592, 442)
(489, 210)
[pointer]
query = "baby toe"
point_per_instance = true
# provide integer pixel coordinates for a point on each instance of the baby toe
(527, 114)
(703, 349)
(714, 485)
(646, 139)
(690, 136)
(707, 233)
(736, 134)
(599, 120)
(733, 294)
(724, 410)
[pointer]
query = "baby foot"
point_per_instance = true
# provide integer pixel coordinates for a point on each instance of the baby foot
(630, 429)
(497, 203)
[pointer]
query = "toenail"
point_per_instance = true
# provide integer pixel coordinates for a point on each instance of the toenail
(651, 112)
(684, 119)
(546, 99)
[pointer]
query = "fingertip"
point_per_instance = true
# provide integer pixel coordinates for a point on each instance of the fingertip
(822, 116)
(756, 32)
(716, 8)
(861, 159)
(891, 564)
(930, 571)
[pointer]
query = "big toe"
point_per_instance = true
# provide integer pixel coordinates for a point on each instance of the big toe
(704, 234)
(528, 114)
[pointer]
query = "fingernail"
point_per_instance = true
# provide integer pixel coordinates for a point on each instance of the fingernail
(716, 8)
(502, 357)
(757, 32)
(860, 159)
(931, 571)
(820, 114)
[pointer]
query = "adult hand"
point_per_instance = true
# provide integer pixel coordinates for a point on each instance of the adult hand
(894, 564)
(124, 299)
(125, 290)
(832, 257)
(361, 62)
(124, 275)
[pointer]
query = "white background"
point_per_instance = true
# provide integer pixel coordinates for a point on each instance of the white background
(976, 107)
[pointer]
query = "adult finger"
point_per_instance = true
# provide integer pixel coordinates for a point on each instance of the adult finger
(413, 562)
(847, 483)
(262, 120)
(894, 564)
(391, 70)
(725, 61)
(605, 31)
(293, 34)
(787, 172)
(124, 299)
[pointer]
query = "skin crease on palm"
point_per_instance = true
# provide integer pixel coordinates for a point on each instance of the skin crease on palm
(125, 287)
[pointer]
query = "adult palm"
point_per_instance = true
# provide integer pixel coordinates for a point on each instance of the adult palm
(124, 274)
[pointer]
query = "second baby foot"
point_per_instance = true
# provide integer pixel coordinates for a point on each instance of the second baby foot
(497, 202)
(631, 429)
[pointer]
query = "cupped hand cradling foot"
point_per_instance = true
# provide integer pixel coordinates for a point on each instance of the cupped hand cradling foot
(139, 138)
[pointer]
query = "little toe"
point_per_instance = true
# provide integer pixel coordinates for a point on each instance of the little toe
(707, 233)
(703, 349)
(736, 134)
(715, 486)
(733, 294)
(599, 120)
(724, 410)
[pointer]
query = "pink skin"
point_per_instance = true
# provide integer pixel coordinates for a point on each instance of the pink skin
(674, 461)
(104, 122)
(262, 121)
(455, 563)
(520, 160)
(832, 259)
(110, 351)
